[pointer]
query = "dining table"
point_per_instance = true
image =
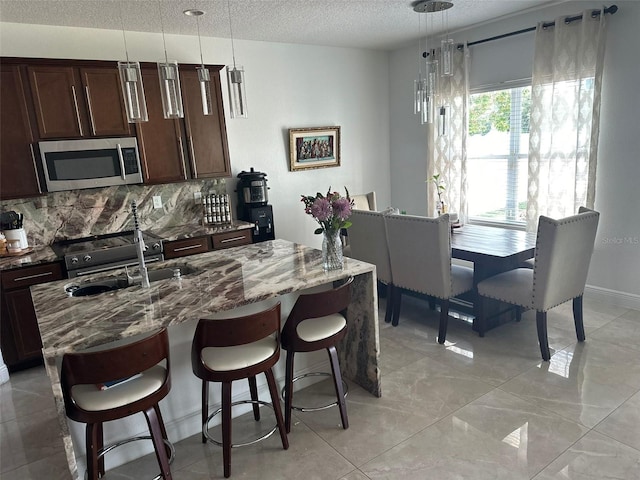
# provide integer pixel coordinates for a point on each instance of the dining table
(492, 250)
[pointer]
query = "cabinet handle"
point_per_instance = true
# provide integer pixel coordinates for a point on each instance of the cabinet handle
(184, 166)
(75, 103)
(190, 247)
(93, 124)
(234, 239)
(35, 167)
(123, 174)
(193, 157)
(29, 277)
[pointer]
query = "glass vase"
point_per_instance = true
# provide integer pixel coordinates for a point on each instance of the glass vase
(332, 258)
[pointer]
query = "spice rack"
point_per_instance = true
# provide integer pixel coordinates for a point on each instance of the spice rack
(216, 209)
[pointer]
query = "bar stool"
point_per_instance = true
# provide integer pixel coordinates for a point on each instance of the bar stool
(86, 400)
(224, 350)
(317, 321)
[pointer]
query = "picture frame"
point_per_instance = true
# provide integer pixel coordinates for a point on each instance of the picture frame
(317, 147)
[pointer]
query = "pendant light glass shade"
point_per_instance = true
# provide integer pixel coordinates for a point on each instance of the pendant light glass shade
(446, 57)
(237, 94)
(205, 89)
(133, 92)
(170, 89)
(444, 114)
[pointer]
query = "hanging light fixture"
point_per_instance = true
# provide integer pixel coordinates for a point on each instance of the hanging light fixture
(446, 46)
(203, 72)
(235, 81)
(131, 84)
(169, 81)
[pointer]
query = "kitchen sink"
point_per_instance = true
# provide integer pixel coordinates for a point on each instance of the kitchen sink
(97, 287)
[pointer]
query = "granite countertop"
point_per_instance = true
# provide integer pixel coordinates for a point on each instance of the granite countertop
(223, 280)
(45, 254)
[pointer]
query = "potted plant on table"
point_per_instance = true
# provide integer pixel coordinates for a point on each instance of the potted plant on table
(440, 188)
(331, 211)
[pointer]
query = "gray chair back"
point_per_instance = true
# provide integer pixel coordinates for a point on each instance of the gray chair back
(420, 253)
(563, 253)
(368, 242)
(366, 201)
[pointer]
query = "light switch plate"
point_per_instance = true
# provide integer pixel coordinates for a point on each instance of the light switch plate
(157, 201)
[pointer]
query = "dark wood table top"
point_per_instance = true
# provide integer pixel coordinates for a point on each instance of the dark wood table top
(477, 243)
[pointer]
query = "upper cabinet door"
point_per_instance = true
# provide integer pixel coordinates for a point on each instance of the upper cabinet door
(159, 140)
(18, 177)
(104, 101)
(57, 101)
(206, 134)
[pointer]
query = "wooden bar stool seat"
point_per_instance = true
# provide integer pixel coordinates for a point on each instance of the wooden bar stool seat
(317, 321)
(224, 350)
(141, 370)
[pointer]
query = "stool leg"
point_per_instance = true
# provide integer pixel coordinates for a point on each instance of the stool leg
(92, 450)
(100, 447)
(253, 388)
(158, 441)
(163, 430)
(337, 379)
(226, 428)
(275, 400)
(288, 391)
(205, 407)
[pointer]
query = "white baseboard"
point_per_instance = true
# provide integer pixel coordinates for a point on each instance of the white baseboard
(621, 299)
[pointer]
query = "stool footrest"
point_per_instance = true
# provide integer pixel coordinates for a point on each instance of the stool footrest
(322, 407)
(205, 427)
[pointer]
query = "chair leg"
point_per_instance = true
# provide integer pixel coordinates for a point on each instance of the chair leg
(163, 430)
(92, 450)
(158, 441)
(577, 318)
(226, 428)
(397, 300)
(337, 381)
(480, 320)
(288, 391)
(541, 320)
(444, 320)
(275, 401)
(100, 446)
(205, 407)
(519, 313)
(253, 388)
(389, 311)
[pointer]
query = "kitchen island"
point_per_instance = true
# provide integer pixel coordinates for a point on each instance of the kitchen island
(222, 281)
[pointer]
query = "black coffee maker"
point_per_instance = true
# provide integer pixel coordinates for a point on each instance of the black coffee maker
(252, 204)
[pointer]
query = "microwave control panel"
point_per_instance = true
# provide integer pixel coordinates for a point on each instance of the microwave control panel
(130, 157)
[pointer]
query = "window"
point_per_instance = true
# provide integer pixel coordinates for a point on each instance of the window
(497, 151)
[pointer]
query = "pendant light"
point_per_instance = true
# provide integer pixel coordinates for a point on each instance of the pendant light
(169, 81)
(235, 81)
(203, 72)
(446, 47)
(131, 84)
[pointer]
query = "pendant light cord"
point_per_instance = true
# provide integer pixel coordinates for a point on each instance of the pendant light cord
(199, 41)
(233, 51)
(124, 37)
(166, 58)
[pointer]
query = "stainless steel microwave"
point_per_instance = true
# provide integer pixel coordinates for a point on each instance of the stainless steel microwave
(90, 163)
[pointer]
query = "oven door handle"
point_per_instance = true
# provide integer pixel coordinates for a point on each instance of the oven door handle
(123, 175)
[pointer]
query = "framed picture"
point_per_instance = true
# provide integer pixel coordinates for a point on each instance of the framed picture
(314, 147)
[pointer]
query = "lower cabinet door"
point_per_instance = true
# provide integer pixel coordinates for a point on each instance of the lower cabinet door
(22, 325)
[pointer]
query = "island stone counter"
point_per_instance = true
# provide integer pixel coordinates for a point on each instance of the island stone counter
(223, 280)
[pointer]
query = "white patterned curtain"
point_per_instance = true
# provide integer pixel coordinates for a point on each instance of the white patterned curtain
(447, 151)
(565, 117)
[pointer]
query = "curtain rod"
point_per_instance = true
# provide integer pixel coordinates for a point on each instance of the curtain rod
(594, 13)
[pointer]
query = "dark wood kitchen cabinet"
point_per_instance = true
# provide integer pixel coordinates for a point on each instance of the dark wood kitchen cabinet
(206, 134)
(160, 140)
(18, 170)
(73, 102)
(19, 332)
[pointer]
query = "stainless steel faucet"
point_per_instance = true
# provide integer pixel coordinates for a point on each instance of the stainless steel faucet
(140, 248)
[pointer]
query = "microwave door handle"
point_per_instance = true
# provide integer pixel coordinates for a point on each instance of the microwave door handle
(121, 158)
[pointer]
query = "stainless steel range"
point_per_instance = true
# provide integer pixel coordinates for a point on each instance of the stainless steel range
(89, 255)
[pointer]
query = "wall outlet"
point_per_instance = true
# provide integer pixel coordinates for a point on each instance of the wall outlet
(157, 201)
(197, 196)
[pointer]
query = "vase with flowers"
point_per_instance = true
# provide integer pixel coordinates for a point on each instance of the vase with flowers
(331, 211)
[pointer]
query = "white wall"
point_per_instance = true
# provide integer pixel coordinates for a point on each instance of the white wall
(615, 266)
(288, 86)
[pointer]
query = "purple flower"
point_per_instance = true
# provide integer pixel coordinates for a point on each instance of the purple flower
(321, 209)
(342, 208)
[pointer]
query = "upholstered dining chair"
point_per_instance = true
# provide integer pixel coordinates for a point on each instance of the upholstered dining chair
(368, 243)
(420, 254)
(365, 201)
(563, 253)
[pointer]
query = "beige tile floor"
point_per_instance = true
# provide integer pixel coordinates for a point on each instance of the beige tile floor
(476, 408)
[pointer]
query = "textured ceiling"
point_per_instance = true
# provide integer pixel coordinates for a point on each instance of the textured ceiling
(376, 24)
